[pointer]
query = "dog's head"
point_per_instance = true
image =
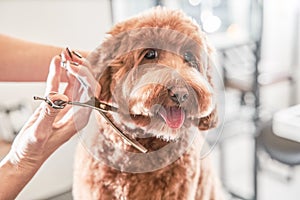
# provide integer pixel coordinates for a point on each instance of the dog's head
(156, 69)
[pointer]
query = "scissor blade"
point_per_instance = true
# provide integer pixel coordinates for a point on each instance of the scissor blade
(94, 103)
(130, 141)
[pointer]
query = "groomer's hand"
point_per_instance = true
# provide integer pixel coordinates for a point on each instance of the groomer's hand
(49, 128)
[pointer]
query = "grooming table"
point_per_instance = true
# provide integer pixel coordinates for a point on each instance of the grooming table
(286, 123)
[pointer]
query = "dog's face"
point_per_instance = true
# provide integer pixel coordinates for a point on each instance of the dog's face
(156, 69)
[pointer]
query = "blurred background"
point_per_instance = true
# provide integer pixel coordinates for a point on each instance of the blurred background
(258, 48)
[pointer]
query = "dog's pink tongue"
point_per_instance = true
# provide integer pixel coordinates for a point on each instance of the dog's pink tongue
(173, 116)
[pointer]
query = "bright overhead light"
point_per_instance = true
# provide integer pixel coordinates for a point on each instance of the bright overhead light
(210, 22)
(195, 2)
(205, 14)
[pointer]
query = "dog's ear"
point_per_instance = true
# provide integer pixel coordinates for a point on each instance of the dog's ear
(105, 82)
(111, 60)
(102, 71)
(209, 121)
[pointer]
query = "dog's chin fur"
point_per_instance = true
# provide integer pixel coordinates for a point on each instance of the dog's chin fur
(152, 125)
(155, 127)
(141, 88)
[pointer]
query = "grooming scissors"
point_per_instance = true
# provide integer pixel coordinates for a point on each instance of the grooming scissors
(103, 108)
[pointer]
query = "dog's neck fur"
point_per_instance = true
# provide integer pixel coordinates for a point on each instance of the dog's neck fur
(113, 150)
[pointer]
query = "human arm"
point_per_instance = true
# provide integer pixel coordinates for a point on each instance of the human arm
(22, 61)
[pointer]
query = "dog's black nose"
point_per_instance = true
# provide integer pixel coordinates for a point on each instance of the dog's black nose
(179, 94)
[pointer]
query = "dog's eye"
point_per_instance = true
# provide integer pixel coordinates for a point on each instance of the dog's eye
(151, 54)
(190, 58)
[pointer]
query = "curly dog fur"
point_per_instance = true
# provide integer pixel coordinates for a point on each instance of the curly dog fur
(156, 68)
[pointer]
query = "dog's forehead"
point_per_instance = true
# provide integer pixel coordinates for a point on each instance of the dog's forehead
(159, 38)
(160, 27)
(166, 39)
(159, 18)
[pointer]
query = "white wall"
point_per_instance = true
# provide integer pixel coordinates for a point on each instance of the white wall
(280, 50)
(77, 23)
(279, 29)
